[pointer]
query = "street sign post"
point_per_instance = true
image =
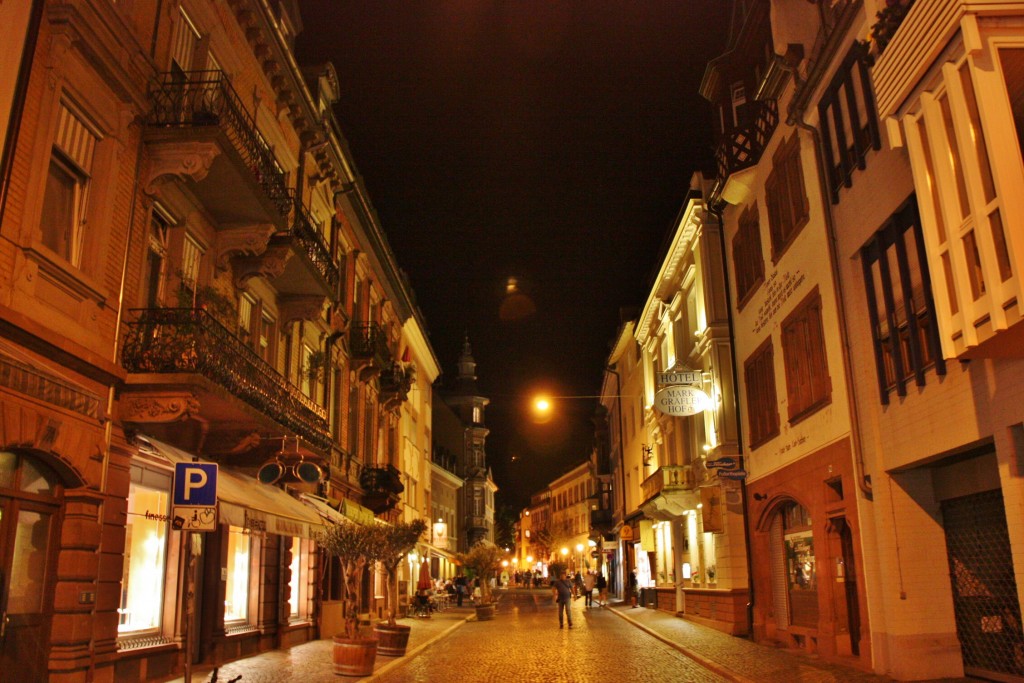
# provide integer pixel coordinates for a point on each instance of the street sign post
(732, 474)
(725, 463)
(194, 505)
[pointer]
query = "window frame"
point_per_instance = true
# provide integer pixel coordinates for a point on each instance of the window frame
(785, 196)
(762, 394)
(805, 353)
(748, 270)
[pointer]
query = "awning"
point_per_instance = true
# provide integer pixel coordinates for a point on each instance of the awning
(246, 502)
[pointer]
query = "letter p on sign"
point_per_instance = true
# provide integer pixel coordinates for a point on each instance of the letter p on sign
(195, 483)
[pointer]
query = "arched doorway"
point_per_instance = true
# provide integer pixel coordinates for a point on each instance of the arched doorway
(30, 502)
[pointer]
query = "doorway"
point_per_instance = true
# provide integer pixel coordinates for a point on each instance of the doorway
(29, 518)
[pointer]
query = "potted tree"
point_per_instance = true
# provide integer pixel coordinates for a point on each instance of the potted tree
(393, 542)
(353, 545)
(483, 558)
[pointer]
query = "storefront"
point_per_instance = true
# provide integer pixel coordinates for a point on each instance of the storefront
(254, 576)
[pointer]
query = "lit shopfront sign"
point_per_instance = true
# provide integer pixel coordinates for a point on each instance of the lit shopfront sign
(681, 401)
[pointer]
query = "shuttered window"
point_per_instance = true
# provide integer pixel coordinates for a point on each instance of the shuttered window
(184, 42)
(808, 385)
(762, 405)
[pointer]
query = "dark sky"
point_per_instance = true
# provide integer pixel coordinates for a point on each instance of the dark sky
(547, 141)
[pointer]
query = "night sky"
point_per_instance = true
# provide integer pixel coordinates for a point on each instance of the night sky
(550, 142)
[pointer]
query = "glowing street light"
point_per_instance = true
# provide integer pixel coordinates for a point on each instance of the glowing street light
(542, 404)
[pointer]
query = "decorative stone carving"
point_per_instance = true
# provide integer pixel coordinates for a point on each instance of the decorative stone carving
(244, 240)
(164, 407)
(293, 308)
(269, 263)
(178, 159)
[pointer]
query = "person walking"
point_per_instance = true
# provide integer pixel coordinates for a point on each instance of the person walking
(602, 590)
(460, 588)
(632, 586)
(577, 585)
(588, 589)
(561, 591)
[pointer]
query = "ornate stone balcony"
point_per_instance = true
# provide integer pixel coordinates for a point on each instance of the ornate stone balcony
(395, 382)
(308, 269)
(670, 491)
(369, 349)
(199, 132)
(381, 487)
(184, 365)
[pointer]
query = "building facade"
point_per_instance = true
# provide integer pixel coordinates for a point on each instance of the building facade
(190, 268)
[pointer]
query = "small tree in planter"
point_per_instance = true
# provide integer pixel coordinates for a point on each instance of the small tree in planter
(352, 544)
(483, 558)
(392, 543)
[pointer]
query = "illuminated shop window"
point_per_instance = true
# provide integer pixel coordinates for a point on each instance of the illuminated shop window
(145, 553)
(294, 582)
(236, 592)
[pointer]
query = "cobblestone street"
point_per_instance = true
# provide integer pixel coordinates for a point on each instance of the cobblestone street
(525, 643)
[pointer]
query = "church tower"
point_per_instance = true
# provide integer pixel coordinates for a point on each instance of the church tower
(477, 496)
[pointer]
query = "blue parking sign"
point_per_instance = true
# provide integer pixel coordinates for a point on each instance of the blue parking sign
(195, 483)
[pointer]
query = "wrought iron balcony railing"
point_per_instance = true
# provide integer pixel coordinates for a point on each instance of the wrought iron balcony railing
(312, 243)
(190, 340)
(206, 99)
(744, 145)
(381, 486)
(369, 342)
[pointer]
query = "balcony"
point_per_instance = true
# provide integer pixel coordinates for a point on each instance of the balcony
(184, 365)
(381, 487)
(670, 491)
(199, 131)
(602, 521)
(308, 269)
(476, 522)
(369, 348)
(742, 148)
(395, 383)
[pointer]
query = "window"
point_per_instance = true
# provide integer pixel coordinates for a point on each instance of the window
(808, 386)
(762, 406)
(748, 262)
(266, 337)
(183, 44)
(63, 221)
(145, 552)
(236, 590)
(296, 580)
(246, 305)
(156, 257)
(849, 126)
(191, 258)
(785, 198)
(899, 293)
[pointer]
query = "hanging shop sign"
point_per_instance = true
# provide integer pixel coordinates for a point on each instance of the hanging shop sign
(679, 375)
(725, 463)
(681, 401)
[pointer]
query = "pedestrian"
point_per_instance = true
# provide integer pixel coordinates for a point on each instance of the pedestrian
(602, 590)
(632, 586)
(561, 591)
(460, 588)
(577, 585)
(588, 589)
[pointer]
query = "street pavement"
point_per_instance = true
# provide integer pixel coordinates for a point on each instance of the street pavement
(615, 644)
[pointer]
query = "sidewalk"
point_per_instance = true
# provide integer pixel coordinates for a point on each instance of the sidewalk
(739, 659)
(312, 662)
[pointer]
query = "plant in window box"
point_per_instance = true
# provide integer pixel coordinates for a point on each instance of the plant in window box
(392, 544)
(315, 363)
(888, 21)
(484, 559)
(353, 545)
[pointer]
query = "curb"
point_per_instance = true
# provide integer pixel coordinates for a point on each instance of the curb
(398, 661)
(709, 664)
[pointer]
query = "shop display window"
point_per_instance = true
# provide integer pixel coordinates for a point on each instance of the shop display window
(236, 592)
(145, 553)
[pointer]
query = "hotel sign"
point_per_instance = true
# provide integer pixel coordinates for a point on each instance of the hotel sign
(679, 393)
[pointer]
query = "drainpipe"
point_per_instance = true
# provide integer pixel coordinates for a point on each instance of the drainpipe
(716, 211)
(795, 117)
(622, 473)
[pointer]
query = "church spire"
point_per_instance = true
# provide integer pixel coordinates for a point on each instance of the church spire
(467, 366)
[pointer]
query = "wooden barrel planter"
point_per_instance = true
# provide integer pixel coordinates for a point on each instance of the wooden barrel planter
(485, 612)
(392, 640)
(354, 656)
